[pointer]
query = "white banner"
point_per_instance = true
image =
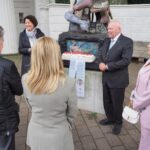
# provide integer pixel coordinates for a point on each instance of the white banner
(77, 70)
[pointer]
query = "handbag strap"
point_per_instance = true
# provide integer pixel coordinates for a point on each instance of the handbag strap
(130, 104)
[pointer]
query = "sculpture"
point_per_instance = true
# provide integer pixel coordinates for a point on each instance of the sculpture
(87, 31)
(81, 17)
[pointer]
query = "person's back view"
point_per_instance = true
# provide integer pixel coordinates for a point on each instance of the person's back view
(10, 85)
(52, 98)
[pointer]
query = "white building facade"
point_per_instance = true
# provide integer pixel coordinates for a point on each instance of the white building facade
(135, 19)
(12, 14)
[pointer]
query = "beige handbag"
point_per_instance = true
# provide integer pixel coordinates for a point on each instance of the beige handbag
(130, 115)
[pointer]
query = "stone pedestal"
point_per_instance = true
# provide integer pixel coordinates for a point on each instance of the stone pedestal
(93, 100)
(97, 38)
(8, 22)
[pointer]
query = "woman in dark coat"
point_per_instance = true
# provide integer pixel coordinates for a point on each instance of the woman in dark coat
(26, 40)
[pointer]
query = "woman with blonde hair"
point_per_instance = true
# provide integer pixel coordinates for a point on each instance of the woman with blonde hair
(52, 97)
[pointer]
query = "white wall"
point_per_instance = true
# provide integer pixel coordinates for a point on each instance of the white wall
(25, 6)
(57, 22)
(44, 21)
(40, 4)
(8, 22)
(135, 20)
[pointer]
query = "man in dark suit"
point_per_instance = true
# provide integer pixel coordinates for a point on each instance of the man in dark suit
(116, 54)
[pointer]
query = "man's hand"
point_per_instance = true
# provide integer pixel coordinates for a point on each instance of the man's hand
(102, 67)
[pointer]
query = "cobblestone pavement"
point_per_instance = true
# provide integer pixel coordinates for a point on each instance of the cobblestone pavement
(87, 133)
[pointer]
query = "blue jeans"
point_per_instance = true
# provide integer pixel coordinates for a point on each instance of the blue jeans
(7, 142)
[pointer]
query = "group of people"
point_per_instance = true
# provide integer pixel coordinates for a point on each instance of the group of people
(114, 59)
(52, 95)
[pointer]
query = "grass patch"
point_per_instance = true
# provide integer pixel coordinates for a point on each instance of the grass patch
(92, 115)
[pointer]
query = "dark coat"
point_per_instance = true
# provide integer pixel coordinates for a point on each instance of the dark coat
(117, 59)
(24, 46)
(10, 85)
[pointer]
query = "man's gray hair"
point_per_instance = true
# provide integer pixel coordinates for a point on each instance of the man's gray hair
(1, 32)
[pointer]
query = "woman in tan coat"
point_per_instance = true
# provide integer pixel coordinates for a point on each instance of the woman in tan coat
(52, 97)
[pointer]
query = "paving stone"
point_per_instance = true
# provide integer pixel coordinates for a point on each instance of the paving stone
(102, 144)
(85, 113)
(20, 147)
(100, 117)
(113, 139)
(119, 148)
(23, 102)
(79, 113)
(27, 148)
(135, 134)
(18, 99)
(23, 120)
(128, 125)
(23, 112)
(73, 127)
(82, 130)
(90, 122)
(96, 132)
(138, 126)
(123, 131)
(79, 121)
(128, 142)
(20, 141)
(78, 146)
(75, 136)
(22, 131)
(88, 143)
(29, 116)
(106, 129)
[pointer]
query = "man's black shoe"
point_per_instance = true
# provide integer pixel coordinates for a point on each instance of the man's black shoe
(117, 129)
(105, 122)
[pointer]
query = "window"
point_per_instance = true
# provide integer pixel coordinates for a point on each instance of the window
(138, 1)
(63, 1)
